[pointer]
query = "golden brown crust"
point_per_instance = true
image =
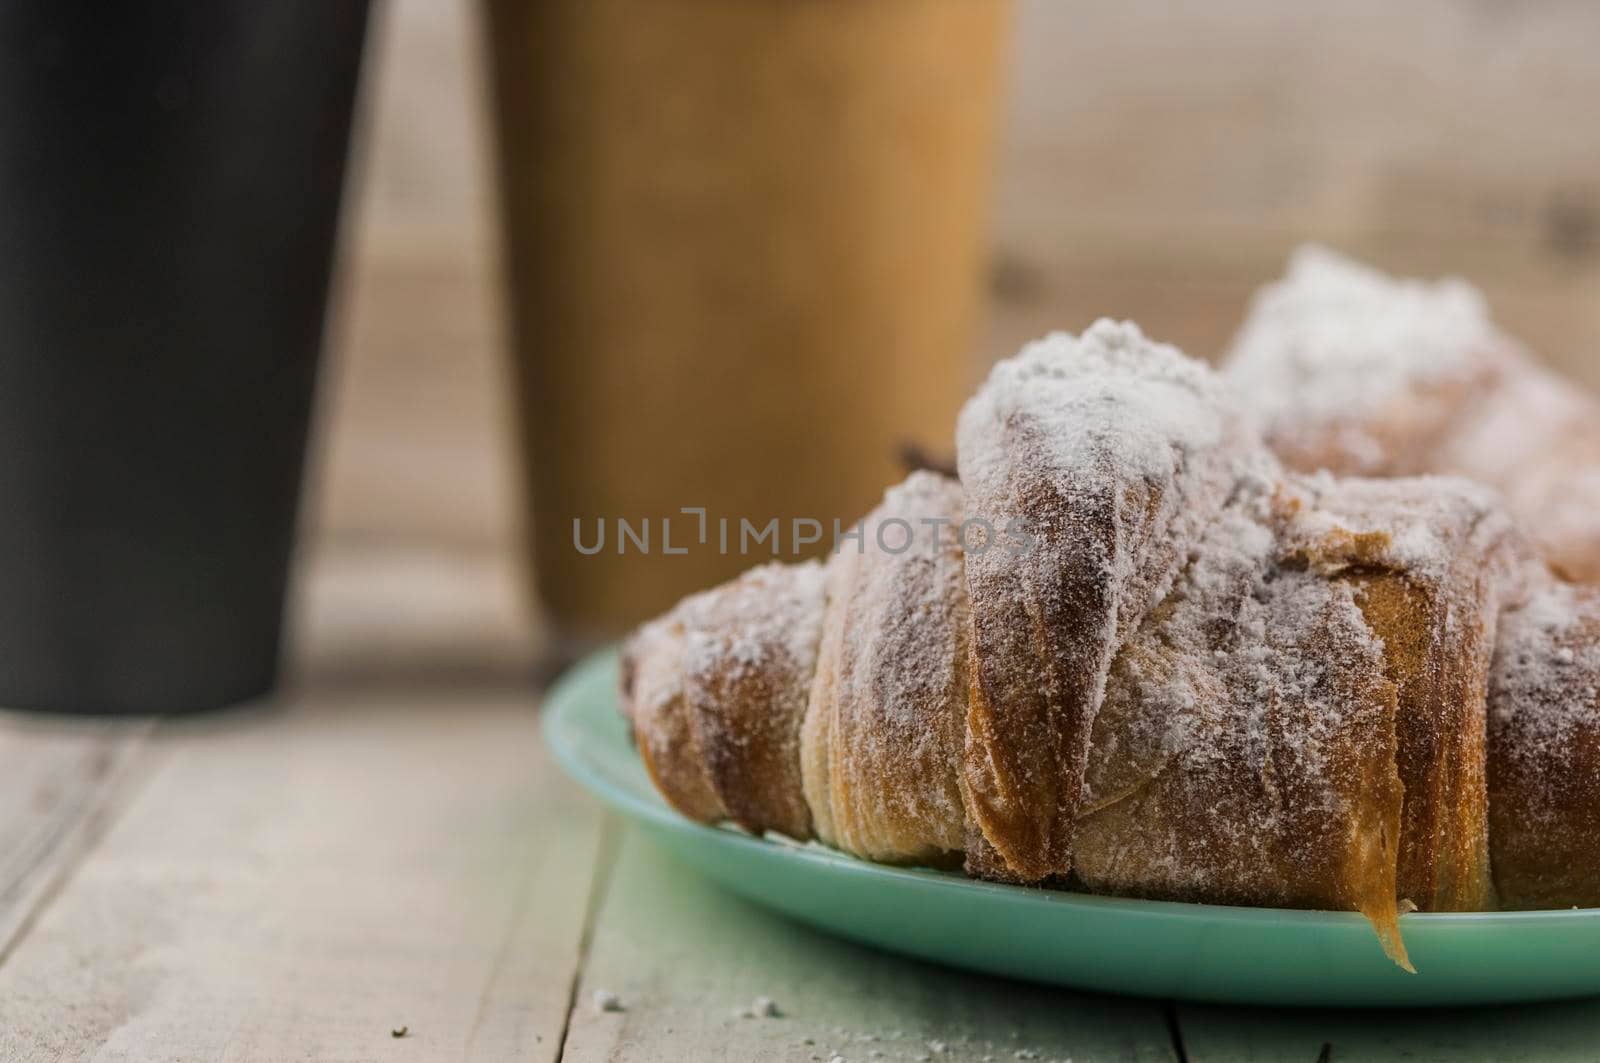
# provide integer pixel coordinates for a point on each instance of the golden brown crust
(1246, 750)
(717, 690)
(1432, 562)
(1443, 860)
(1037, 650)
(652, 699)
(1092, 465)
(1152, 663)
(886, 721)
(1357, 373)
(1544, 752)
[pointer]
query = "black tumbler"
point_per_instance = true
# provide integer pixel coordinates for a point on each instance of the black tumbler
(169, 191)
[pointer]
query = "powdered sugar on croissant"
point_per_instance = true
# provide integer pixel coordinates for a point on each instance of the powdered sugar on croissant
(1130, 651)
(885, 725)
(1110, 454)
(1246, 752)
(1544, 757)
(1359, 373)
(652, 696)
(717, 691)
(1432, 562)
(1352, 371)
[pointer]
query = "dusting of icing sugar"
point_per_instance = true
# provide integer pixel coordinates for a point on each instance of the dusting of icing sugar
(1231, 753)
(1105, 421)
(1187, 640)
(1420, 525)
(1544, 751)
(1546, 674)
(652, 698)
(1335, 339)
(770, 615)
(1166, 686)
(1365, 374)
(749, 652)
(1111, 388)
(1113, 452)
(884, 725)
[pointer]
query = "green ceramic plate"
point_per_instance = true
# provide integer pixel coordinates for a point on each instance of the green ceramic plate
(1192, 951)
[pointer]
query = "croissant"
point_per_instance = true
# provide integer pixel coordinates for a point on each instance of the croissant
(1361, 374)
(1128, 651)
(1544, 752)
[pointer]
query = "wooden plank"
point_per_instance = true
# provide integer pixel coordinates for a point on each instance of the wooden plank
(1153, 152)
(58, 777)
(298, 883)
(684, 957)
(1547, 1033)
(382, 615)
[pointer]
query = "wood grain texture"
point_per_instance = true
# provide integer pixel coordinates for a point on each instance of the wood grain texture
(59, 778)
(685, 958)
(1550, 1033)
(412, 445)
(1160, 162)
(297, 883)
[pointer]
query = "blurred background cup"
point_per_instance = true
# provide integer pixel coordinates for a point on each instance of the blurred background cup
(745, 247)
(170, 175)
